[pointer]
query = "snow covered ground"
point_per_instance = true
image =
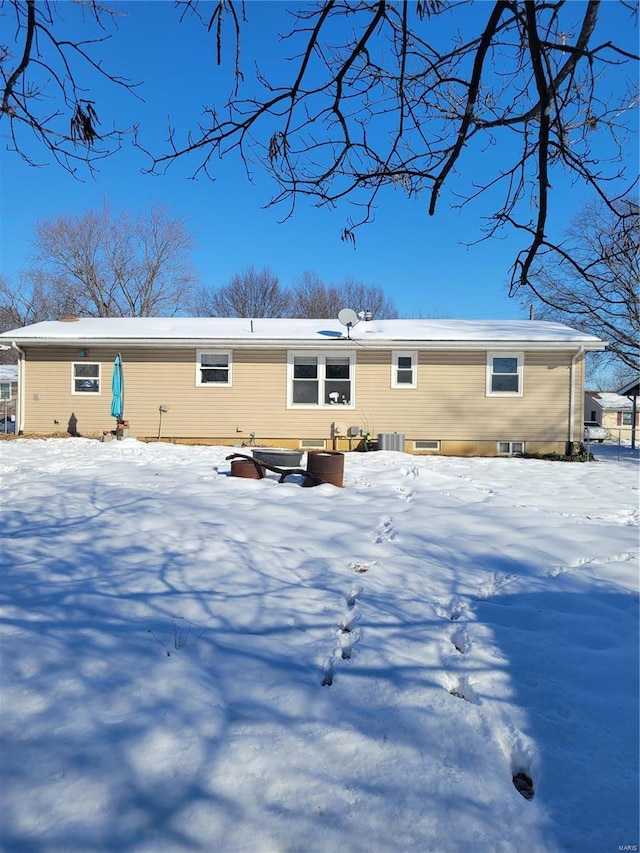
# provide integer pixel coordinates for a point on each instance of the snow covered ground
(192, 661)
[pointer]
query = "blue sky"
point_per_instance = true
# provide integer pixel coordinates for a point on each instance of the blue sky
(420, 261)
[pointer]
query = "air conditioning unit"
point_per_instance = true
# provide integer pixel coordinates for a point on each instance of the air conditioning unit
(391, 441)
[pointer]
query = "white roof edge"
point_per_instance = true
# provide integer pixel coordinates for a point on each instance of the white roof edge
(590, 344)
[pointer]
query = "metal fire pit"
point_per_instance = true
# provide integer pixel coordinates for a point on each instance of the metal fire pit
(280, 457)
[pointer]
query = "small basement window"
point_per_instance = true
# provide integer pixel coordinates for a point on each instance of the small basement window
(510, 448)
(426, 445)
(85, 377)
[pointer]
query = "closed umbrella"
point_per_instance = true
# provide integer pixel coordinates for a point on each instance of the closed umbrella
(117, 389)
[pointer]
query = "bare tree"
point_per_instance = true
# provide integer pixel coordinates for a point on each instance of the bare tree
(591, 282)
(26, 300)
(412, 95)
(250, 293)
(47, 75)
(101, 264)
(312, 298)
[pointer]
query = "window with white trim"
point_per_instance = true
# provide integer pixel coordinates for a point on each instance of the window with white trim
(213, 367)
(319, 379)
(510, 448)
(85, 377)
(5, 390)
(404, 369)
(505, 374)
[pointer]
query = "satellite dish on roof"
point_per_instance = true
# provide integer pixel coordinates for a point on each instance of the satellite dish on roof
(348, 318)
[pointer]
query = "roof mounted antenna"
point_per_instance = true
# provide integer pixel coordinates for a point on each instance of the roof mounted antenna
(348, 318)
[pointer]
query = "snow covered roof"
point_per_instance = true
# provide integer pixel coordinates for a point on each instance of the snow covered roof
(181, 331)
(8, 372)
(609, 400)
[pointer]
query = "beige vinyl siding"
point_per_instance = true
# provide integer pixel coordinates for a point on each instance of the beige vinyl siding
(450, 402)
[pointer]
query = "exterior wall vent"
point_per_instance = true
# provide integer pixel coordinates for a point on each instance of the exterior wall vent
(313, 443)
(426, 445)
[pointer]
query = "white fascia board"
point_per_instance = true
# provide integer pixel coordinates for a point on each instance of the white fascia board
(297, 343)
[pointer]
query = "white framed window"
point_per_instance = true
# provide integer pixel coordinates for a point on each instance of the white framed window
(5, 390)
(510, 448)
(426, 444)
(85, 377)
(505, 374)
(321, 380)
(404, 369)
(213, 367)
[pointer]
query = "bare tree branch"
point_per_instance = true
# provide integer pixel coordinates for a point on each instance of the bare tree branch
(592, 280)
(378, 97)
(57, 70)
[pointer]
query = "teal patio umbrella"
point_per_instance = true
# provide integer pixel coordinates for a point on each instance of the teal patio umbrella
(117, 389)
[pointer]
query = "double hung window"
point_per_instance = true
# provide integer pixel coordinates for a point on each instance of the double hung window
(505, 374)
(85, 377)
(404, 369)
(316, 379)
(213, 367)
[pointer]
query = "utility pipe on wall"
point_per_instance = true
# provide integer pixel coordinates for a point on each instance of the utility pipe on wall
(20, 399)
(572, 394)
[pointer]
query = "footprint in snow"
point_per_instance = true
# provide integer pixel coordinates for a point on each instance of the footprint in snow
(460, 640)
(463, 690)
(385, 531)
(581, 562)
(361, 568)
(354, 594)
(523, 784)
(327, 675)
(405, 494)
(452, 611)
(497, 582)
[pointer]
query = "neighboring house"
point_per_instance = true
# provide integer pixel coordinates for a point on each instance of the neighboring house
(452, 387)
(613, 411)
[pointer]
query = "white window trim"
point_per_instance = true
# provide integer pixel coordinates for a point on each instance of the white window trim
(395, 355)
(74, 377)
(498, 354)
(321, 355)
(213, 351)
(511, 451)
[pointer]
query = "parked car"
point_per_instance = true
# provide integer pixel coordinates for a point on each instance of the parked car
(594, 432)
(8, 426)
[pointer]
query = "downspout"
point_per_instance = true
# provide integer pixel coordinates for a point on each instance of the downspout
(572, 394)
(20, 399)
